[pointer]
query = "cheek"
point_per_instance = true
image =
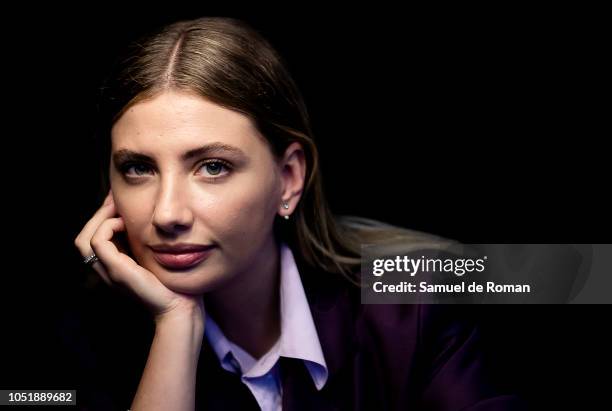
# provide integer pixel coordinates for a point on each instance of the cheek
(134, 210)
(246, 215)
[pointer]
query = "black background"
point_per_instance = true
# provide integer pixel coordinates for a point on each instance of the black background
(476, 124)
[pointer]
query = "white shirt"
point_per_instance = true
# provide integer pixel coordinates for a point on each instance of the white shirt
(298, 339)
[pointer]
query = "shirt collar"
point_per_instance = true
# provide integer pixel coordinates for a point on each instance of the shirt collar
(298, 339)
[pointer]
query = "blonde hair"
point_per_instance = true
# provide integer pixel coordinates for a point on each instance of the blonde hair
(229, 63)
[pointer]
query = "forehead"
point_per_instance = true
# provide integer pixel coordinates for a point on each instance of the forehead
(179, 120)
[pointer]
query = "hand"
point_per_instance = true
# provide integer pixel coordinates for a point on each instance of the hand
(115, 266)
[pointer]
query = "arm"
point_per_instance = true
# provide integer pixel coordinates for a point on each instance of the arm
(168, 380)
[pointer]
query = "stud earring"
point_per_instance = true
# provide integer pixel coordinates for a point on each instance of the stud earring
(286, 207)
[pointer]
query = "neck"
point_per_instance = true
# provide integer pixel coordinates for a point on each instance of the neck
(247, 308)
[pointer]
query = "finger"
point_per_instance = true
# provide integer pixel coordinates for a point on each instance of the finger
(99, 268)
(108, 198)
(101, 243)
(83, 239)
(106, 211)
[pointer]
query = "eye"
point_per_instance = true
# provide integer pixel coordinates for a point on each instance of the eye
(138, 169)
(216, 168)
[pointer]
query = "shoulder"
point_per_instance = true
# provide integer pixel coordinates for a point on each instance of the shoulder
(327, 291)
(424, 327)
(335, 302)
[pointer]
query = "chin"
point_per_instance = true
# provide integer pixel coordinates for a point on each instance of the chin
(195, 283)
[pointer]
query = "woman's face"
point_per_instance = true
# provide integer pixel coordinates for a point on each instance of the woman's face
(185, 170)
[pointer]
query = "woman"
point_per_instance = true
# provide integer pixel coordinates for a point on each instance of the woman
(215, 218)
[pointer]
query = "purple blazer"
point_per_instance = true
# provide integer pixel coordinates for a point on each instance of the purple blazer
(379, 357)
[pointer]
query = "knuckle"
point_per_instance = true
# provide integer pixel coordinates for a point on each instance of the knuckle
(80, 244)
(94, 242)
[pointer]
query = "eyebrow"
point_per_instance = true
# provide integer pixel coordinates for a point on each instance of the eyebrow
(124, 155)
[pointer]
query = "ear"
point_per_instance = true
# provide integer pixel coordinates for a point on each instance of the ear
(293, 173)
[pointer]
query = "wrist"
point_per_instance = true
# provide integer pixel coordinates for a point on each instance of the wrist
(183, 317)
(183, 334)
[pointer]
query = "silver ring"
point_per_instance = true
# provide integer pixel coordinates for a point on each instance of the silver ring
(90, 259)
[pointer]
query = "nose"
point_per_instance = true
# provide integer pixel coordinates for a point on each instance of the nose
(172, 212)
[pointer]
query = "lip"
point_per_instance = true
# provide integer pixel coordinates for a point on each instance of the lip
(181, 256)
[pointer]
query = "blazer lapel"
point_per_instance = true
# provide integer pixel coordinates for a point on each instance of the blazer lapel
(333, 308)
(219, 389)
